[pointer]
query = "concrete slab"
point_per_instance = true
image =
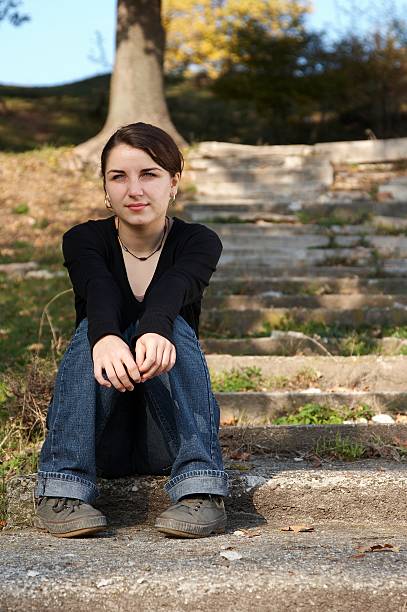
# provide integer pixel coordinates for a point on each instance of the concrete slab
(136, 568)
(274, 488)
(289, 344)
(238, 323)
(262, 408)
(357, 373)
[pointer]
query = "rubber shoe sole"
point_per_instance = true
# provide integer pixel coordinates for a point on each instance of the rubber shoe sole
(188, 530)
(93, 525)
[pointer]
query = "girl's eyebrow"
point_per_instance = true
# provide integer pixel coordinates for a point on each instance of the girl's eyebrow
(143, 170)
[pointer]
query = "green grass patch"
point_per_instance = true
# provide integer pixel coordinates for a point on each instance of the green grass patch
(346, 449)
(253, 379)
(342, 448)
(344, 340)
(339, 217)
(22, 302)
(227, 219)
(321, 414)
(24, 395)
(21, 209)
(22, 251)
(238, 379)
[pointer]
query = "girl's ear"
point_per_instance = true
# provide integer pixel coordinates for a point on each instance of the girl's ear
(175, 179)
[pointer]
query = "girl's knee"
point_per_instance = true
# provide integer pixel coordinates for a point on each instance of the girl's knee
(182, 329)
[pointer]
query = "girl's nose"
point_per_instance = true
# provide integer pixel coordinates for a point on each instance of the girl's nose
(135, 187)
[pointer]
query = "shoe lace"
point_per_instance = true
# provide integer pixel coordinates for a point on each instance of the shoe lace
(195, 502)
(63, 503)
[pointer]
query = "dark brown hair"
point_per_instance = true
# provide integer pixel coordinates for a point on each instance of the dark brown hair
(152, 140)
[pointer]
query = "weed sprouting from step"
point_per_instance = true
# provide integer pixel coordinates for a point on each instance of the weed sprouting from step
(233, 219)
(340, 448)
(339, 339)
(346, 449)
(338, 217)
(238, 379)
(320, 414)
(252, 379)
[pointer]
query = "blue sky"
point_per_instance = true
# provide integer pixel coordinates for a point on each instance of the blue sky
(54, 47)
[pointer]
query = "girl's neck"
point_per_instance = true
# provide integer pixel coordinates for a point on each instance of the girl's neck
(142, 239)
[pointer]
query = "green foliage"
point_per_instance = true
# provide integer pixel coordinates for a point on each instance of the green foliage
(343, 448)
(320, 414)
(22, 303)
(21, 209)
(310, 414)
(238, 379)
(339, 217)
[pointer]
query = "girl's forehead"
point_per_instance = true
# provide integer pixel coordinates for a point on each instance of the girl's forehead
(126, 155)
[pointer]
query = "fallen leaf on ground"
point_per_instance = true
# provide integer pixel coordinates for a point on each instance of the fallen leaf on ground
(240, 455)
(231, 421)
(297, 528)
(2, 524)
(378, 548)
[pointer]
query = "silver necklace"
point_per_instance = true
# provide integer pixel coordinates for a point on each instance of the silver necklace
(148, 256)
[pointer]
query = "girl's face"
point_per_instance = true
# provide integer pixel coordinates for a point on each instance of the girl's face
(138, 188)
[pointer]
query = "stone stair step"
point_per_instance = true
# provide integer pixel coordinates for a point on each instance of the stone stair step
(236, 242)
(253, 230)
(337, 301)
(290, 344)
(249, 270)
(376, 227)
(262, 408)
(307, 284)
(361, 489)
(390, 208)
(140, 569)
(367, 373)
(236, 323)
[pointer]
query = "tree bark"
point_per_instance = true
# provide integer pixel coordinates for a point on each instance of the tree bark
(137, 87)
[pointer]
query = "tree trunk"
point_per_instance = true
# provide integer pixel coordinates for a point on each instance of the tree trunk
(137, 88)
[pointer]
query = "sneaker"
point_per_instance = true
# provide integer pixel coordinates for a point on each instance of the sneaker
(194, 516)
(67, 518)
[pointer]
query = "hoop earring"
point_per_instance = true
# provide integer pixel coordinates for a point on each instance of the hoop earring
(106, 201)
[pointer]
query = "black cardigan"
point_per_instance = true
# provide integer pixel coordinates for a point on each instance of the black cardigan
(94, 259)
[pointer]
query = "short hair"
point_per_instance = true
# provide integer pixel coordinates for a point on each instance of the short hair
(151, 139)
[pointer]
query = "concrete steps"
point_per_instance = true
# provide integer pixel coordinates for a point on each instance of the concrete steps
(295, 343)
(237, 322)
(133, 568)
(330, 301)
(274, 485)
(306, 284)
(264, 207)
(262, 408)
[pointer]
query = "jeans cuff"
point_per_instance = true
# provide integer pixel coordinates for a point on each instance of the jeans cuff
(198, 481)
(57, 484)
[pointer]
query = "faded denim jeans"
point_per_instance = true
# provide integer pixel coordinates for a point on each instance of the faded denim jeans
(167, 425)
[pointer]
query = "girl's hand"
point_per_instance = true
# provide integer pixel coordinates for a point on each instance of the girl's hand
(154, 355)
(111, 354)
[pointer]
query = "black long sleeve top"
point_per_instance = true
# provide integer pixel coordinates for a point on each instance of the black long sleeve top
(94, 260)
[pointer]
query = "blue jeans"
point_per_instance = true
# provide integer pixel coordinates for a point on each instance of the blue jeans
(167, 425)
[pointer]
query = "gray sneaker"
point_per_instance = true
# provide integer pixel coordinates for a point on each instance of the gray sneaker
(194, 517)
(67, 518)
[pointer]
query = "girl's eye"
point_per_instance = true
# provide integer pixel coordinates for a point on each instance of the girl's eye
(117, 176)
(149, 174)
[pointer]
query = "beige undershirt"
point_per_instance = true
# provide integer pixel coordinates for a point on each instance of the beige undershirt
(140, 273)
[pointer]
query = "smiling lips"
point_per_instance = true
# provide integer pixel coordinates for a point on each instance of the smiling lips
(136, 206)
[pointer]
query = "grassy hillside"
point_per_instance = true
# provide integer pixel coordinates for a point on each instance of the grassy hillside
(69, 114)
